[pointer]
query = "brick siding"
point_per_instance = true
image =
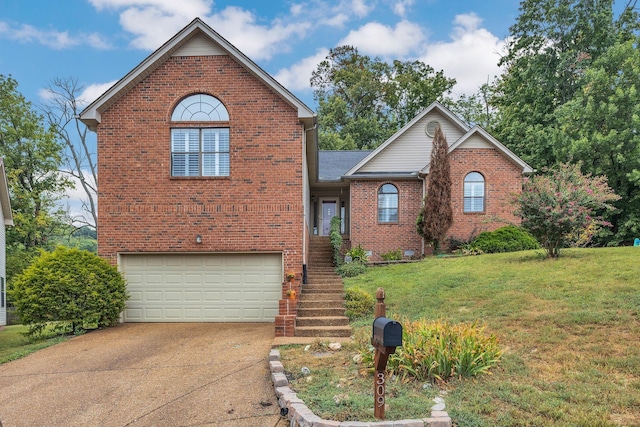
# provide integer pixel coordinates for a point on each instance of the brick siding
(503, 179)
(257, 208)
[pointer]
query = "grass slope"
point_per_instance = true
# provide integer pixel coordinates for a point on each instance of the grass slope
(569, 327)
(14, 344)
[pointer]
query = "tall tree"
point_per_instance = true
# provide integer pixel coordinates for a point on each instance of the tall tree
(436, 216)
(62, 110)
(363, 101)
(32, 158)
(552, 43)
(600, 128)
(476, 109)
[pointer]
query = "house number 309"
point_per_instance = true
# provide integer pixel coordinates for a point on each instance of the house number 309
(380, 389)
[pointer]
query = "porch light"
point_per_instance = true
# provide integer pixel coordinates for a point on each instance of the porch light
(198, 239)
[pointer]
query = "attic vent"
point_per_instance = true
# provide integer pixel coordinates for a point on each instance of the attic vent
(430, 128)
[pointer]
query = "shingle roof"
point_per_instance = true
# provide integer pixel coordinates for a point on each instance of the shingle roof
(334, 164)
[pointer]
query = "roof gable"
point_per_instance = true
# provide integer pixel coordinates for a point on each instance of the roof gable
(409, 149)
(477, 137)
(197, 38)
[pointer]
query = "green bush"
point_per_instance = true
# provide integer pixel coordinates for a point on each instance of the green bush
(351, 269)
(358, 254)
(437, 351)
(70, 286)
(505, 239)
(336, 240)
(392, 255)
(359, 303)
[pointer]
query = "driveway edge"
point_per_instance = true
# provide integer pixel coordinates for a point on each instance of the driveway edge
(299, 415)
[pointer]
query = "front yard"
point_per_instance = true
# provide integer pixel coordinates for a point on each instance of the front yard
(569, 328)
(14, 344)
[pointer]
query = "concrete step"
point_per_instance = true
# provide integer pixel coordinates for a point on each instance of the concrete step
(323, 331)
(323, 296)
(322, 288)
(322, 321)
(320, 312)
(317, 303)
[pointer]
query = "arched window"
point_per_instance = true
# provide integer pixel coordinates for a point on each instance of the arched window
(474, 192)
(388, 203)
(200, 151)
(200, 108)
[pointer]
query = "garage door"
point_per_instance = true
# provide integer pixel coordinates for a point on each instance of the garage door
(202, 288)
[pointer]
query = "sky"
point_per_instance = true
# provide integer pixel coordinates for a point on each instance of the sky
(99, 41)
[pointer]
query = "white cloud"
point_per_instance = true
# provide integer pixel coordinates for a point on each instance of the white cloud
(256, 41)
(152, 22)
(471, 56)
(376, 39)
(400, 7)
(93, 91)
(88, 95)
(52, 38)
(296, 77)
(360, 7)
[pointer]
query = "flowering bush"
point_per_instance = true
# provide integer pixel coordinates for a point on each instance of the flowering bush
(563, 204)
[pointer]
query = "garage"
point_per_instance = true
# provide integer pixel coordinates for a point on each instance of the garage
(202, 287)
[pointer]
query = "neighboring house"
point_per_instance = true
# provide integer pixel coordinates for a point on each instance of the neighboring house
(7, 217)
(211, 184)
(378, 194)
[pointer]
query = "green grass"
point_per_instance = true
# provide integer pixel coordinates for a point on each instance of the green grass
(569, 327)
(14, 344)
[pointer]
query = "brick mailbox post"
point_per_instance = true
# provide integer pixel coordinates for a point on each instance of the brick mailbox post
(386, 336)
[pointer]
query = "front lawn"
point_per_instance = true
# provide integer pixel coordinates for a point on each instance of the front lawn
(14, 344)
(569, 328)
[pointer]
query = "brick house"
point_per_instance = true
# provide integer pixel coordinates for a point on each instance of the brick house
(211, 184)
(379, 193)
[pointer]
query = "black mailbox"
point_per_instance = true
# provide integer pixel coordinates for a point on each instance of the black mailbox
(386, 333)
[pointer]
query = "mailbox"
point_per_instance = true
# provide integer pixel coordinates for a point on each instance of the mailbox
(386, 333)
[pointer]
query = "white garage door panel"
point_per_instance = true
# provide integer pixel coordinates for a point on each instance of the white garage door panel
(202, 288)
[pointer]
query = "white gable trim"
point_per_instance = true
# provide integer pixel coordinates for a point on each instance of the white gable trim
(434, 106)
(5, 201)
(477, 130)
(91, 115)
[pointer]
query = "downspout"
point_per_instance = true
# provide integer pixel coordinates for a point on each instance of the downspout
(306, 214)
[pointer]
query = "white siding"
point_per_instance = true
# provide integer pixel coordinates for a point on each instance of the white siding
(411, 151)
(476, 141)
(200, 46)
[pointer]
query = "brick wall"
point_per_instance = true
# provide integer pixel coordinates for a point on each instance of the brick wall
(257, 208)
(503, 179)
(385, 237)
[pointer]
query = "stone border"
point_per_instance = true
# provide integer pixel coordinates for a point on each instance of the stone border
(300, 416)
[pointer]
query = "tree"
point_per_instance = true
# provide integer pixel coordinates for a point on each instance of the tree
(62, 110)
(558, 208)
(436, 216)
(71, 286)
(476, 109)
(552, 43)
(32, 158)
(363, 101)
(600, 128)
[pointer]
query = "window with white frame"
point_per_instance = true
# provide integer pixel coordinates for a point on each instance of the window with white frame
(200, 151)
(388, 204)
(474, 192)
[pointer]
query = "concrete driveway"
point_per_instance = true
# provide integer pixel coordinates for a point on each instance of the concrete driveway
(146, 374)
